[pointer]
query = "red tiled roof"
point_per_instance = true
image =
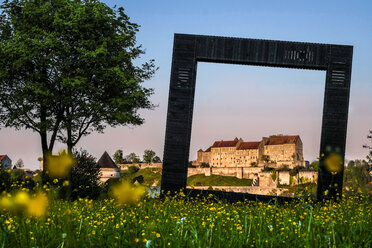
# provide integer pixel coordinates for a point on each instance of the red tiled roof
(200, 150)
(230, 143)
(249, 145)
(279, 140)
(209, 149)
(1, 157)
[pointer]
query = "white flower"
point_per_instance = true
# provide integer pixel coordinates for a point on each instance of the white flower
(269, 226)
(299, 223)
(181, 220)
(148, 243)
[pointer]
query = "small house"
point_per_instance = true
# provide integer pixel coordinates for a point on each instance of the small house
(108, 168)
(5, 162)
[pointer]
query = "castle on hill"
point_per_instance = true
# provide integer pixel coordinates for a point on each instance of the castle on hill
(276, 151)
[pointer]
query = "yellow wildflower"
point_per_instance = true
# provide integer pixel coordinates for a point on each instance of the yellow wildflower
(333, 163)
(125, 193)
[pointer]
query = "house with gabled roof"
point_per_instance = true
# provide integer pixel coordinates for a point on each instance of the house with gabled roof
(5, 162)
(108, 168)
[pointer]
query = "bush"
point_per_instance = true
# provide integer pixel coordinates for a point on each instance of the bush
(5, 181)
(108, 184)
(138, 179)
(266, 168)
(204, 165)
(273, 176)
(84, 178)
(283, 167)
(133, 169)
(17, 175)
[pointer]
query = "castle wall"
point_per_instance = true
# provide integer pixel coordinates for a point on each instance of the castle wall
(141, 165)
(308, 176)
(245, 189)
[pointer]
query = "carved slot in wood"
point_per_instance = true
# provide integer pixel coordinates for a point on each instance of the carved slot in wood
(301, 55)
(183, 77)
(338, 77)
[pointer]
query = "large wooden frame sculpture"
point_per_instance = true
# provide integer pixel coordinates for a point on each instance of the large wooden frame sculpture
(336, 60)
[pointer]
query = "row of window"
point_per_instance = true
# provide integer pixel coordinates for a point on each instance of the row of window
(252, 157)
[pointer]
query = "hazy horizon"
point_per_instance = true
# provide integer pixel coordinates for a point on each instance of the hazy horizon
(231, 101)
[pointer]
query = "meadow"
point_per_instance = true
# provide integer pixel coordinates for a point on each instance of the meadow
(186, 222)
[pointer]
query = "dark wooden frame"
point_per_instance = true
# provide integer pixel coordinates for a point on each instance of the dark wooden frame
(336, 60)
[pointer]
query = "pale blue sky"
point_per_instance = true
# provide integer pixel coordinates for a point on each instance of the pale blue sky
(232, 100)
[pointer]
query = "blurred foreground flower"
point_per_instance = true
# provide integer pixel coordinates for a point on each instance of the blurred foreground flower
(22, 202)
(125, 193)
(60, 166)
(333, 163)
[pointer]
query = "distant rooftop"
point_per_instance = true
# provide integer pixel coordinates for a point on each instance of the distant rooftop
(106, 162)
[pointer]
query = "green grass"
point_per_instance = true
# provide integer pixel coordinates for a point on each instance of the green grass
(150, 176)
(216, 180)
(153, 175)
(178, 222)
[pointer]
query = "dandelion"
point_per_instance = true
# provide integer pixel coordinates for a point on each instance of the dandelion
(22, 202)
(21, 198)
(127, 194)
(158, 235)
(38, 205)
(333, 163)
(59, 166)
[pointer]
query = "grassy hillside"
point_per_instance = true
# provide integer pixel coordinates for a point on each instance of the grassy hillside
(150, 176)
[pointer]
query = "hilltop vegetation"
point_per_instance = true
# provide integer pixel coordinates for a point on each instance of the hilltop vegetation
(217, 180)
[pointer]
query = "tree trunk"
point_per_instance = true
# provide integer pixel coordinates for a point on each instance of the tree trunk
(44, 146)
(69, 151)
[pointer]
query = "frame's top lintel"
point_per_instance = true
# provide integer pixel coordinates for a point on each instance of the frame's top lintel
(181, 35)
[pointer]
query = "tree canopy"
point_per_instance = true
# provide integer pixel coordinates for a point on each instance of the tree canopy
(118, 157)
(148, 156)
(132, 158)
(67, 69)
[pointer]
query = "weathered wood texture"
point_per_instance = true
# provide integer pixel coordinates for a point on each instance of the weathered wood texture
(189, 49)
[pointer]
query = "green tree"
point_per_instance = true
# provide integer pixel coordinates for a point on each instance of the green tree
(19, 164)
(118, 157)
(132, 158)
(314, 165)
(66, 69)
(156, 159)
(369, 156)
(148, 156)
(351, 163)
